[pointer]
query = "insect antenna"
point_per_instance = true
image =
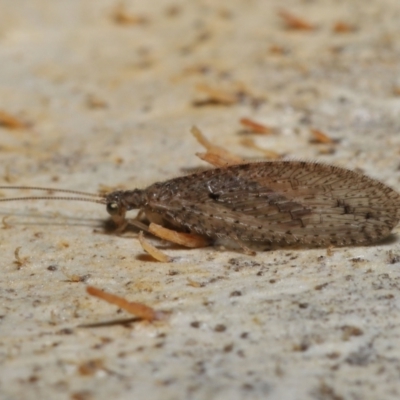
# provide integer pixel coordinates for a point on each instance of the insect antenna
(83, 196)
(100, 200)
(51, 190)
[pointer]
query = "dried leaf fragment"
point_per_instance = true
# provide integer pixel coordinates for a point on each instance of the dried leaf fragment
(181, 238)
(294, 22)
(157, 254)
(138, 309)
(215, 155)
(255, 127)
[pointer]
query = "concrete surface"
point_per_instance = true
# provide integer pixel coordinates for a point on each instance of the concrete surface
(109, 92)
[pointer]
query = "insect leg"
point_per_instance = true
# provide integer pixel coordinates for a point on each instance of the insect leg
(120, 221)
(245, 249)
(138, 224)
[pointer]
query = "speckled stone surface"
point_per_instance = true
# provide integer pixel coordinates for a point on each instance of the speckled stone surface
(109, 94)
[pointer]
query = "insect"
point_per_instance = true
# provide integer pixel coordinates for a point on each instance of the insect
(283, 202)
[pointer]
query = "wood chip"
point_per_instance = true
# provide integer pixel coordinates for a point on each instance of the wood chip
(93, 102)
(343, 27)
(277, 49)
(217, 156)
(255, 127)
(217, 95)
(122, 17)
(9, 121)
(294, 22)
(194, 284)
(138, 309)
(320, 137)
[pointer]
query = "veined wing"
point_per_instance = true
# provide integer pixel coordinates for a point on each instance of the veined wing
(290, 201)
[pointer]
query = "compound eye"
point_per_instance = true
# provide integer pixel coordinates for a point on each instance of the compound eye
(112, 208)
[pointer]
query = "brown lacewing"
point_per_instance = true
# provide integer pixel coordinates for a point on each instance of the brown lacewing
(282, 202)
